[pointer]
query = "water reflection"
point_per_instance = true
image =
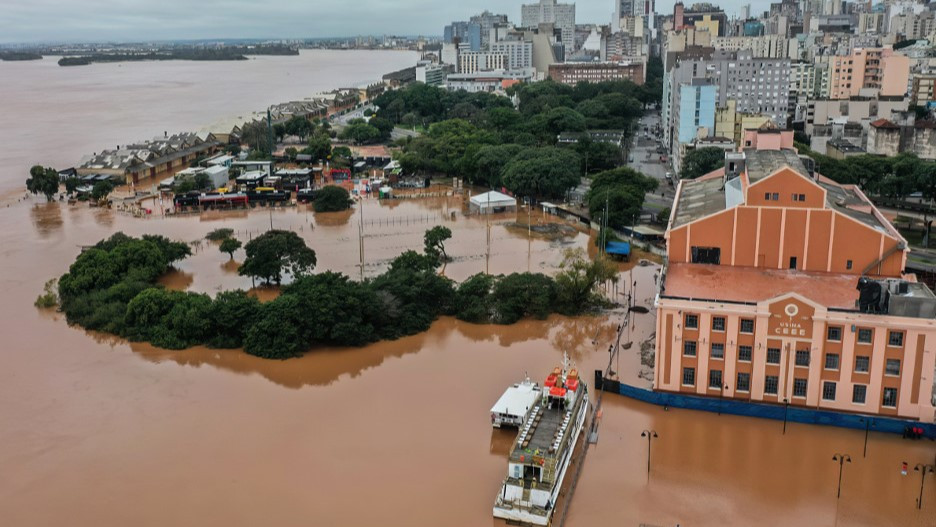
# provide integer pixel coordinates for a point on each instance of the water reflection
(176, 280)
(47, 218)
(333, 219)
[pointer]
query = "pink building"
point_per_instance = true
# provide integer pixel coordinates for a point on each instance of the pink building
(877, 69)
(784, 287)
(767, 139)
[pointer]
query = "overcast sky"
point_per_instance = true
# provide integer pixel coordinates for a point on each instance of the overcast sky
(135, 20)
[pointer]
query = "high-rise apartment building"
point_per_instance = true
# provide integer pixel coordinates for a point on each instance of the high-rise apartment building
(562, 16)
(487, 21)
(463, 32)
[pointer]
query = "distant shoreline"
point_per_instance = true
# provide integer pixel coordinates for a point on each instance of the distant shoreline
(14, 56)
(222, 54)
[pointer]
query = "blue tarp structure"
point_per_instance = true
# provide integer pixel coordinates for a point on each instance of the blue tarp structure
(618, 248)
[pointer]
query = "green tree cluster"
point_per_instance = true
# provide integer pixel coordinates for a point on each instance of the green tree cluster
(276, 252)
(622, 191)
(893, 177)
(332, 198)
(112, 287)
(43, 180)
(701, 161)
(482, 137)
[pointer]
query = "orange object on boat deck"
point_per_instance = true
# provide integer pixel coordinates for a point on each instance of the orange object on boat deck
(556, 371)
(572, 384)
(551, 380)
(573, 374)
(557, 391)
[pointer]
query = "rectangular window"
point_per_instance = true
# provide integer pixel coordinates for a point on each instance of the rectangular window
(802, 358)
(895, 338)
(890, 398)
(747, 325)
(688, 376)
(718, 350)
(802, 197)
(892, 367)
(714, 379)
(775, 196)
(828, 391)
(692, 321)
(862, 362)
(848, 264)
(792, 262)
(834, 333)
(718, 323)
(799, 387)
(773, 355)
(689, 348)
(766, 196)
(864, 335)
(744, 353)
(832, 361)
(859, 393)
(744, 382)
(706, 255)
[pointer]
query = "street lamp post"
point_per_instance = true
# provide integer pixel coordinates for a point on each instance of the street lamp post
(650, 435)
(841, 459)
(922, 469)
(786, 407)
(868, 421)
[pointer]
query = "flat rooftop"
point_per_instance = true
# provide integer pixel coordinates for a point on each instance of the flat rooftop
(751, 284)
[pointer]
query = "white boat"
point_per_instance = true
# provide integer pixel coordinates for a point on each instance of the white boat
(542, 451)
(514, 406)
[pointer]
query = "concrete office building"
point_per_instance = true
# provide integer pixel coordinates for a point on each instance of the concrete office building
(562, 16)
(474, 61)
(519, 52)
(487, 21)
(463, 32)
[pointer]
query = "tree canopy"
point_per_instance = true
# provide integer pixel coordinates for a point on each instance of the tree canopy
(332, 198)
(701, 161)
(434, 241)
(275, 252)
(542, 172)
(43, 180)
(229, 245)
(622, 190)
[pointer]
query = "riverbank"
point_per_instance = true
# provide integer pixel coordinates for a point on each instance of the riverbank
(66, 113)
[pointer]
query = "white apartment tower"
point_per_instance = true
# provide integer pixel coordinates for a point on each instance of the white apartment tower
(548, 11)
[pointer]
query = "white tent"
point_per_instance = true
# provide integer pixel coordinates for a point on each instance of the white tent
(491, 202)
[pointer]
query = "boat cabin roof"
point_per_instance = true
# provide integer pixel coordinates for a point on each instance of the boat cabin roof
(517, 400)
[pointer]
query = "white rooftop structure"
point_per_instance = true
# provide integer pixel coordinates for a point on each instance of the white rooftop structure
(513, 407)
(492, 201)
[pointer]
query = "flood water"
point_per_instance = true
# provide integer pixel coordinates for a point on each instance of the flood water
(96, 431)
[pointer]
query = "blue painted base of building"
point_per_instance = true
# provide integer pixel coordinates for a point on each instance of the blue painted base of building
(793, 414)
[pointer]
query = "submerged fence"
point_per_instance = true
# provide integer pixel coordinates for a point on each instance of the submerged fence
(793, 414)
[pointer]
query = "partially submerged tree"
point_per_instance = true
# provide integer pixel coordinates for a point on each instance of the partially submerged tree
(229, 245)
(575, 284)
(332, 198)
(275, 252)
(43, 180)
(434, 240)
(101, 190)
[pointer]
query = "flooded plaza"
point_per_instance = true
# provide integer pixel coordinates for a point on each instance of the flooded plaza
(99, 431)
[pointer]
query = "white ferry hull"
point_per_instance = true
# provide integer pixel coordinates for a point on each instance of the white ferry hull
(521, 512)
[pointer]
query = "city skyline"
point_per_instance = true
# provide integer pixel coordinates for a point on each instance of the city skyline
(133, 21)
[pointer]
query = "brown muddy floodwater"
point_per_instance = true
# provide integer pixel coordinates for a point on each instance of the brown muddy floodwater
(95, 431)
